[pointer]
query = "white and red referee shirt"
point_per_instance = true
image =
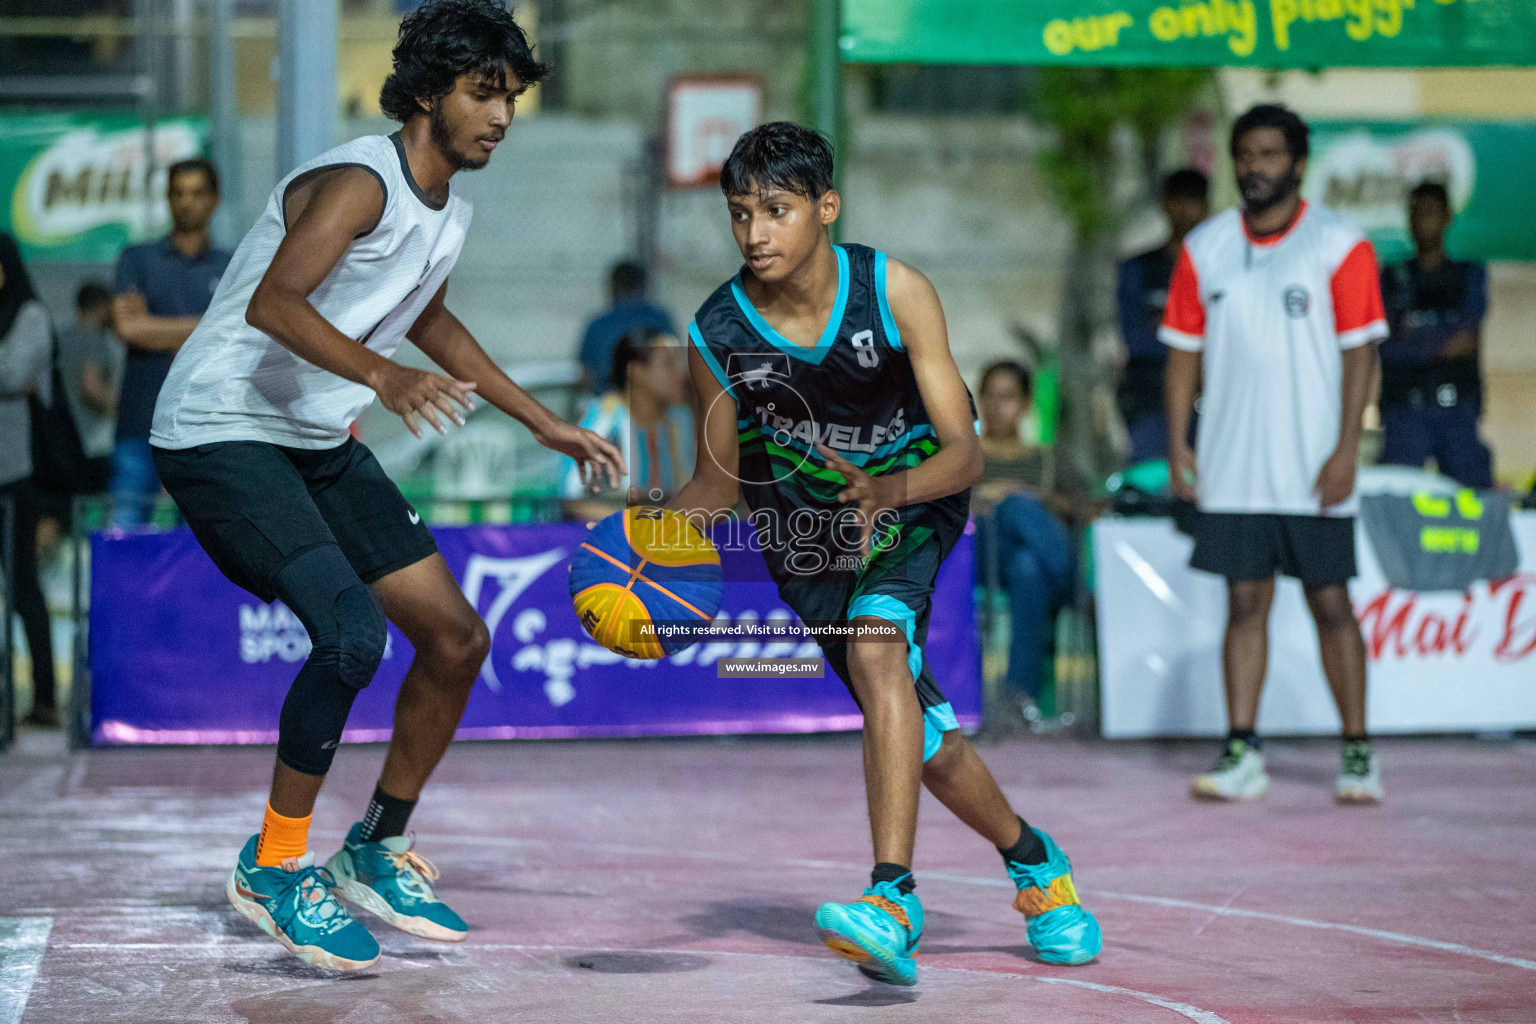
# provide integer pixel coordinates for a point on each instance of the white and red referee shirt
(1272, 318)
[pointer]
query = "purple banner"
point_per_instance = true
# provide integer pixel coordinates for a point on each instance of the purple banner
(181, 655)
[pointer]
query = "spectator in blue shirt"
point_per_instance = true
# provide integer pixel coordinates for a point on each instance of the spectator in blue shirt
(162, 290)
(1141, 292)
(630, 311)
(1431, 378)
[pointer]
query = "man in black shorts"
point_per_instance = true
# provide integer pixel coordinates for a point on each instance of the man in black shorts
(350, 257)
(1271, 315)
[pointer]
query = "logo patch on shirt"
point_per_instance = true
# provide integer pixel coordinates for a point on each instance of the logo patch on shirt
(1297, 302)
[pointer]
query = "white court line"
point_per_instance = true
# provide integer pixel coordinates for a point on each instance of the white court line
(1194, 1013)
(1162, 901)
(1260, 915)
(820, 865)
(1302, 922)
(22, 942)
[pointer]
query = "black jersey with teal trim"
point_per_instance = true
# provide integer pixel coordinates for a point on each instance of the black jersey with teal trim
(853, 392)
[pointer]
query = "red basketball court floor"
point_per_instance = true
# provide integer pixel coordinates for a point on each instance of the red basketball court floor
(675, 881)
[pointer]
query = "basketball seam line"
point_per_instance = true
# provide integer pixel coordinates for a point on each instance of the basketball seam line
(606, 556)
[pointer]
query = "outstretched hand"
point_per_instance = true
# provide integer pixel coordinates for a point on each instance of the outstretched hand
(421, 395)
(863, 490)
(591, 451)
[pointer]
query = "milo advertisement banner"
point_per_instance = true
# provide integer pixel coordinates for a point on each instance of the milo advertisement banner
(1365, 170)
(80, 186)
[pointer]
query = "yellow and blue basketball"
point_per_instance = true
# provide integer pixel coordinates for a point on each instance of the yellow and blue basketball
(644, 565)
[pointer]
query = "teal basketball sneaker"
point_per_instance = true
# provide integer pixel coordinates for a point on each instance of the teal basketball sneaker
(1061, 931)
(879, 932)
(294, 905)
(391, 881)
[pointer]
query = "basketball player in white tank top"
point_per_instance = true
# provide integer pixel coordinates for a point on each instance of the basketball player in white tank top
(251, 437)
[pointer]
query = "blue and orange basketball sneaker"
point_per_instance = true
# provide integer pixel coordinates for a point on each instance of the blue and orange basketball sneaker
(1061, 931)
(293, 904)
(394, 882)
(879, 932)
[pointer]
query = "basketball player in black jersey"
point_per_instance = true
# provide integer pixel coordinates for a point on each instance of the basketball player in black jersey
(829, 401)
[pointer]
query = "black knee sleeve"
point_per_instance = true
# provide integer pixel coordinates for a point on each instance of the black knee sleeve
(347, 637)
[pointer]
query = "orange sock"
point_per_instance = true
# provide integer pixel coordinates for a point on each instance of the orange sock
(281, 838)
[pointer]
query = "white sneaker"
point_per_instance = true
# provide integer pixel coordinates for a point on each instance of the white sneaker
(1360, 779)
(1238, 775)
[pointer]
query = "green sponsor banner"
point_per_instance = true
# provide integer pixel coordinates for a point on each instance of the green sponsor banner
(1192, 33)
(80, 186)
(1365, 169)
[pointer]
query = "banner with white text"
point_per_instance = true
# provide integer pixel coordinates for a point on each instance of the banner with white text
(179, 654)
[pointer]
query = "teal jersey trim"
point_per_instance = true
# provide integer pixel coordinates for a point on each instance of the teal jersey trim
(828, 333)
(937, 721)
(884, 606)
(887, 321)
(709, 357)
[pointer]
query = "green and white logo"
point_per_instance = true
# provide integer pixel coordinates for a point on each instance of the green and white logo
(81, 186)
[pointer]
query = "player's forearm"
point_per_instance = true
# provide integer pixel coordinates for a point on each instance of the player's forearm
(708, 496)
(294, 324)
(950, 470)
(158, 333)
(1181, 382)
(448, 343)
(1357, 379)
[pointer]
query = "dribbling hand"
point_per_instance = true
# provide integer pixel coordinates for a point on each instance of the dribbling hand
(863, 490)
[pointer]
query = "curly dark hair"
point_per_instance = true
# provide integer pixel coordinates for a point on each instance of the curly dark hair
(782, 155)
(1272, 115)
(443, 39)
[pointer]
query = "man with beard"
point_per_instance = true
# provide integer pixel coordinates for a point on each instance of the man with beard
(1272, 313)
(352, 255)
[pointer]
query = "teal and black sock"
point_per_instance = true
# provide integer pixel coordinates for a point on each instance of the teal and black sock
(1357, 737)
(386, 816)
(1030, 848)
(1248, 736)
(898, 873)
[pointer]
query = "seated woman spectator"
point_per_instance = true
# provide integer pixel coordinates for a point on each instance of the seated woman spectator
(1022, 545)
(648, 418)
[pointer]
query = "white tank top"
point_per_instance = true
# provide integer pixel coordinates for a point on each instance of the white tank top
(231, 382)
